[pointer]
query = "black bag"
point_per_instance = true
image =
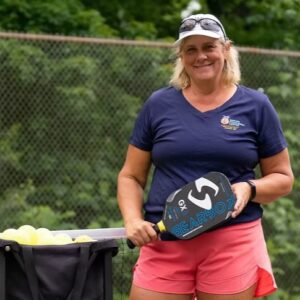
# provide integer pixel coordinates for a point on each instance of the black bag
(79, 271)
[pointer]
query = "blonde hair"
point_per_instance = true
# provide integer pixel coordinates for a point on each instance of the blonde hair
(231, 73)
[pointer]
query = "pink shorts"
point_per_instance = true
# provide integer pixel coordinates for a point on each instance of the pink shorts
(228, 260)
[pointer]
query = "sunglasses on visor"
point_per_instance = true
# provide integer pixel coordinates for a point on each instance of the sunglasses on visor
(205, 23)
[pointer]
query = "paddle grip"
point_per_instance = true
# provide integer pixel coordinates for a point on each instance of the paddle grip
(131, 245)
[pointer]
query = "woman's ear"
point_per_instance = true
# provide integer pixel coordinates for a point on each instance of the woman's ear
(227, 45)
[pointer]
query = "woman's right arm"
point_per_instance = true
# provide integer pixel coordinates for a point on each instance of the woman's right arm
(132, 180)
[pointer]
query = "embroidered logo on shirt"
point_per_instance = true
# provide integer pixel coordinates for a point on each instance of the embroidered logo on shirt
(230, 124)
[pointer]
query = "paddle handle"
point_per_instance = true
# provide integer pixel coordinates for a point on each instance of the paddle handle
(131, 245)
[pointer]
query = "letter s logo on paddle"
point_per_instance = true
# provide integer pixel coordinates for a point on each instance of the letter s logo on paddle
(206, 202)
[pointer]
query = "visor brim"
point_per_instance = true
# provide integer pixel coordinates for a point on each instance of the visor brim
(200, 32)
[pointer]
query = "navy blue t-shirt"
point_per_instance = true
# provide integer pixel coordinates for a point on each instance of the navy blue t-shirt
(186, 143)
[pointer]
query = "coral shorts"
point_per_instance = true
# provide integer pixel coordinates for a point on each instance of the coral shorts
(228, 260)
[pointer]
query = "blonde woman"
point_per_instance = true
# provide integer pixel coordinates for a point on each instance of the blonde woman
(204, 121)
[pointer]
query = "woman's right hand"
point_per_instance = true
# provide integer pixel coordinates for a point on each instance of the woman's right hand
(140, 232)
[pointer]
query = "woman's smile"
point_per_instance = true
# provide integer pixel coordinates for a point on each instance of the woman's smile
(203, 66)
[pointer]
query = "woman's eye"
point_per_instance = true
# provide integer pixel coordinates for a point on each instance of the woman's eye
(190, 50)
(210, 46)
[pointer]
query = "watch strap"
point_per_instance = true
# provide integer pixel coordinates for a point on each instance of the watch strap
(253, 190)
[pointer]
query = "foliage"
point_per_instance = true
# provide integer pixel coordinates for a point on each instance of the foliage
(282, 224)
(267, 24)
(57, 125)
(52, 16)
(148, 19)
(124, 263)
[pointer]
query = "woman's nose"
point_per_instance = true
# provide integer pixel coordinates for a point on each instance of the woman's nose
(201, 55)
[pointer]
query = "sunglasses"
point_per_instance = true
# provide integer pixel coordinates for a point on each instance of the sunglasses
(205, 23)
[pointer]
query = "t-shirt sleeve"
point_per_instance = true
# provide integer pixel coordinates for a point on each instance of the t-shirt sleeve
(271, 139)
(142, 136)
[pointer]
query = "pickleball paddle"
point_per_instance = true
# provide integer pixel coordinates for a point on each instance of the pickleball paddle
(196, 207)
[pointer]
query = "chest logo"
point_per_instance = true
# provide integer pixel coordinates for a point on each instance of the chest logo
(230, 124)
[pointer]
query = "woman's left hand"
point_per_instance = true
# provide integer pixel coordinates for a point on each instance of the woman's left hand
(242, 191)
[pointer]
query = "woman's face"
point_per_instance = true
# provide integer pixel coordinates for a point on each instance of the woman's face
(203, 58)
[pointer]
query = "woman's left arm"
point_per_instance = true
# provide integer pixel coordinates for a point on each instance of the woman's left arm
(277, 178)
(276, 181)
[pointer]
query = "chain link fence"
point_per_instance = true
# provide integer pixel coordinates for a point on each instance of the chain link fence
(68, 105)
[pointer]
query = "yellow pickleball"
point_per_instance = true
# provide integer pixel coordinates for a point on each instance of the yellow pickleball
(29, 234)
(44, 237)
(62, 239)
(12, 234)
(83, 239)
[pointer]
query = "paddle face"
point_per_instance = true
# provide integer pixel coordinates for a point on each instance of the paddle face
(199, 206)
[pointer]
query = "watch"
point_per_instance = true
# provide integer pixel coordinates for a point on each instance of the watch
(253, 190)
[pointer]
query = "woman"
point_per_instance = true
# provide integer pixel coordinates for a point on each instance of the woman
(205, 121)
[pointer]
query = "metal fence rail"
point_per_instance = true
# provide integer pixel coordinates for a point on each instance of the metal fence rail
(67, 109)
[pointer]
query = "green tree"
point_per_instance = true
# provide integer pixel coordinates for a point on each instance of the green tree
(68, 17)
(147, 19)
(267, 24)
